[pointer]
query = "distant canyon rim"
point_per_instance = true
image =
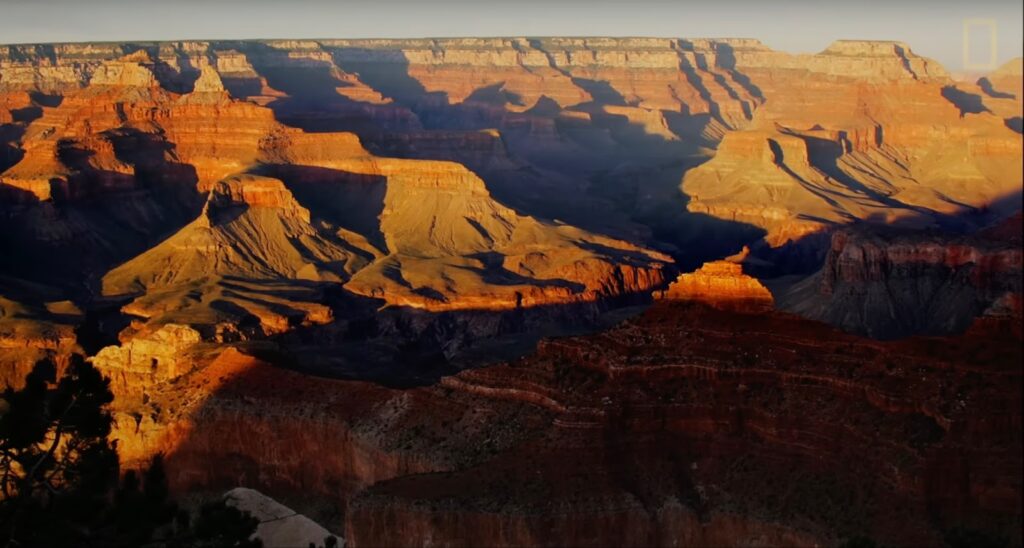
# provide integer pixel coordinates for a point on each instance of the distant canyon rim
(534, 291)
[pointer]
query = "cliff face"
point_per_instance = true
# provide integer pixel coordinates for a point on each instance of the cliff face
(147, 360)
(684, 425)
(30, 332)
(864, 130)
(905, 152)
(642, 449)
(889, 284)
(294, 433)
(126, 155)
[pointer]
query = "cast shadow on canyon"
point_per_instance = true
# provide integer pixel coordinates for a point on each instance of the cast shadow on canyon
(11, 133)
(404, 347)
(314, 98)
(986, 85)
(179, 79)
(353, 201)
(569, 194)
(966, 102)
(10, 153)
(580, 428)
(805, 255)
(159, 197)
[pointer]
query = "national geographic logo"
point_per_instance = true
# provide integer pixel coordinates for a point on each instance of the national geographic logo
(975, 31)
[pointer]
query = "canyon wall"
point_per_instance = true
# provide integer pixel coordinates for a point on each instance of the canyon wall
(886, 283)
(865, 130)
(688, 424)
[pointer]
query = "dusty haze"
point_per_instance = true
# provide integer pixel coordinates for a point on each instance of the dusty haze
(933, 29)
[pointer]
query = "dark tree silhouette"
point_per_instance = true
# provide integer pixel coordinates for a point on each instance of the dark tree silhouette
(56, 463)
(220, 525)
(59, 475)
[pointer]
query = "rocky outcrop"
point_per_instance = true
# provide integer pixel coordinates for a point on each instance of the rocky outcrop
(127, 72)
(457, 248)
(279, 526)
(147, 360)
(30, 332)
(253, 192)
(212, 273)
(890, 284)
(721, 284)
(209, 81)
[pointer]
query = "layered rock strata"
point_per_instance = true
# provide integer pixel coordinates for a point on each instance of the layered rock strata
(685, 425)
(721, 284)
(892, 283)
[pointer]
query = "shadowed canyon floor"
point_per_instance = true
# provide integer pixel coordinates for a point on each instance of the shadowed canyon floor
(555, 291)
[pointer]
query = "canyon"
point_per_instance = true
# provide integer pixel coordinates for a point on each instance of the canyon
(533, 291)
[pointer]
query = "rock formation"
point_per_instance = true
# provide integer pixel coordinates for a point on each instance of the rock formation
(147, 360)
(900, 147)
(887, 284)
(215, 271)
(30, 332)
(864, 130)
(721, 284)
(438, 240)
(625, 435)
(279, 525)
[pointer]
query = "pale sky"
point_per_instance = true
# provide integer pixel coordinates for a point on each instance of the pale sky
(932, 28)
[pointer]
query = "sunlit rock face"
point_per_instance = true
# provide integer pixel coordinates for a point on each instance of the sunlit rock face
(425, 234)
(862, 130)
(721, 284)
(320, 269)
(32, 332)
(147, 360)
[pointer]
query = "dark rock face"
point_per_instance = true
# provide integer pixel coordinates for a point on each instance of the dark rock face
(693, 426)
(887, 284)
(685, 425)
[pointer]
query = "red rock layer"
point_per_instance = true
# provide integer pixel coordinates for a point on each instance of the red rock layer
(690, 412)
(887, 283)
(856, 258)
(684, 425)
(861, 130)
(129, 133)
